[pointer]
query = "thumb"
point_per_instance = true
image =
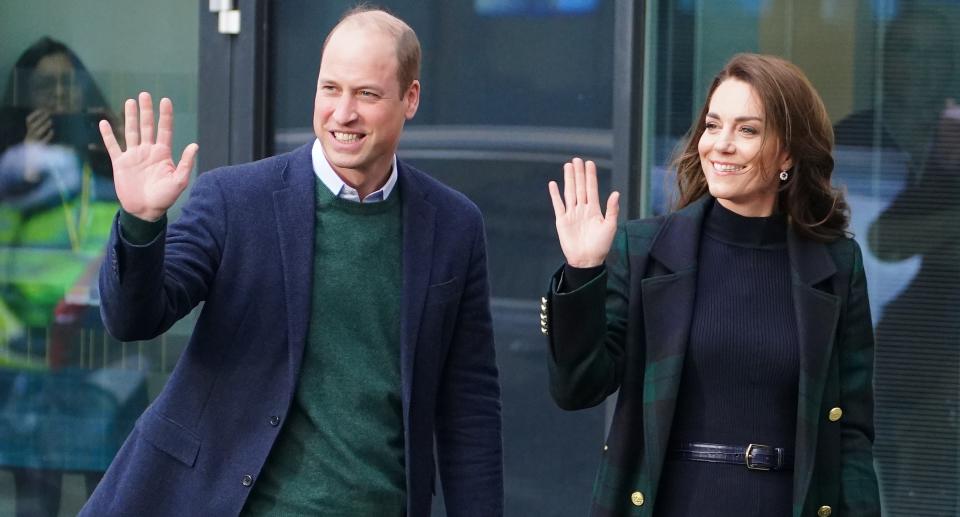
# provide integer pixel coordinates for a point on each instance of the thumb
(186, 161)
(613, 206)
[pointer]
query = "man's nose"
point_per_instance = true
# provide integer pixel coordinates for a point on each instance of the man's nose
(345, 110)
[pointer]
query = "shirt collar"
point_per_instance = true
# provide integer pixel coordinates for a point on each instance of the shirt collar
(336, 185)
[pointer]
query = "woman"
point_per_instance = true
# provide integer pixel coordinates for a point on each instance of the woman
(737, 328)
(57, 202)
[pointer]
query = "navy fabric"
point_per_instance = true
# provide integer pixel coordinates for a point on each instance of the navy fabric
(629, 328)
(740, 373)
(244, 246)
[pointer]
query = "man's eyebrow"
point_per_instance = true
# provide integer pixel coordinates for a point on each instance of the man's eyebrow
(738, 119)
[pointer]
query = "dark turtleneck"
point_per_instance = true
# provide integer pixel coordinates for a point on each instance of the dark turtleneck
(741, 370)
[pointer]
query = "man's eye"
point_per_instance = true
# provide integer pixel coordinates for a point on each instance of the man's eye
(368, 94)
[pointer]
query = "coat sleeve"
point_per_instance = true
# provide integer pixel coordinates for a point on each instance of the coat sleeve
(859, 492)
(468, 426)
(586, 330)
(145, 289)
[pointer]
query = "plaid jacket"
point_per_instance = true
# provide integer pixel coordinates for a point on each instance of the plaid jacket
(628, 330)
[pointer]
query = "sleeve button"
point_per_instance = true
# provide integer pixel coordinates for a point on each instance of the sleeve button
(247, 480)
(835, 414)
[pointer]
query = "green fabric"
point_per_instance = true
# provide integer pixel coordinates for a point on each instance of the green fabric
(40, 264)
(341, 451)
(139, 232)
(626, 330)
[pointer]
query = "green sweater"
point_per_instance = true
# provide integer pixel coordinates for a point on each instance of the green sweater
(341, 450)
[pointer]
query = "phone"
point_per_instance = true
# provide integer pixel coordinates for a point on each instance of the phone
(79, 130)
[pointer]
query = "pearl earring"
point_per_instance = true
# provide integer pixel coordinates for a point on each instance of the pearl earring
(784, 175)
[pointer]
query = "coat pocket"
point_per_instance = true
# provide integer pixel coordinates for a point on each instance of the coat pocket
(443, 292)
(170, 437)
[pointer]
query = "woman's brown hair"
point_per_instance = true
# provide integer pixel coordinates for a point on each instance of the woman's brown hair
(795, 113)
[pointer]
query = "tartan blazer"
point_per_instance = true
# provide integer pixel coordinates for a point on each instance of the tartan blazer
(628, 329)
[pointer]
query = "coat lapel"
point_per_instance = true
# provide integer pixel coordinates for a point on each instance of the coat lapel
(418, 231)
(817, 315)
(668, 296)
(295, 206)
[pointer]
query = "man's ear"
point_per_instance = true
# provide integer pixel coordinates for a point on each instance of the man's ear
(412, 98)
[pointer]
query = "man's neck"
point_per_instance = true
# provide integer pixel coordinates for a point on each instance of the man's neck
(367, 181)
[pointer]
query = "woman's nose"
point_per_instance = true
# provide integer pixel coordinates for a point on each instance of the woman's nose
(723, 143)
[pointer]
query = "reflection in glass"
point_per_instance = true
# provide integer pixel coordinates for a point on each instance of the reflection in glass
(64, 405)
(918, 333)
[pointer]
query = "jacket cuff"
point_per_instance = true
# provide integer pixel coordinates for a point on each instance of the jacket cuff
(138, 232)
(574, 277)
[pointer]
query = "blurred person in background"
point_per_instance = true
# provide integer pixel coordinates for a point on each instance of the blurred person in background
(56, 203)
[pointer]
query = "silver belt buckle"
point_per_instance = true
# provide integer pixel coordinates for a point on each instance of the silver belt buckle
(748, 456)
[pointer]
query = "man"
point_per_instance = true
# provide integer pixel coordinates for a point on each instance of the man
(346, 315)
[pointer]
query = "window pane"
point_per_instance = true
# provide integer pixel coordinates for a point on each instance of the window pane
(69, 393)
(544, 447)
(888, 74)
(516, 66)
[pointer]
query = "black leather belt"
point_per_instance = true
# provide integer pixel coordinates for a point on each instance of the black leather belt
(753, 456)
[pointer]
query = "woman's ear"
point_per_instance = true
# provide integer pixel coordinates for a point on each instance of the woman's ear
(786, 162)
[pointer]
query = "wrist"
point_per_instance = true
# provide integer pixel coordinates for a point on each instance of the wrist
(149, 216)
(586, 263)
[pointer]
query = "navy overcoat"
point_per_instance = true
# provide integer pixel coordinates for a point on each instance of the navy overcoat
(244, 247)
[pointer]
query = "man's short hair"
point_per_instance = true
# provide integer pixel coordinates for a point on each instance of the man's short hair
(407, 43)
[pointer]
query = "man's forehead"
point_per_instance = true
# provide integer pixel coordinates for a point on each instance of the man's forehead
(370, 24)
(359, 57)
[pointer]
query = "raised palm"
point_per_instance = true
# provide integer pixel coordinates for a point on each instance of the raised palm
(144, 175)
(585, 233)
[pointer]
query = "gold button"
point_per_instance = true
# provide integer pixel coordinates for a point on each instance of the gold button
(824, 511)
(835, 415)
(604, 446)
(637, 498)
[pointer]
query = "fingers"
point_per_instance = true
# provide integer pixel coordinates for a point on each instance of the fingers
(569, 186)
(42, 132)
(579, 177)
(39, 127)
(558, 209)
(36, 117)
(130, 132)
(593, 194)
(109, 140)
(186, 162)
(580, 185)
(146, 118)
(613, 206)
(165, 126)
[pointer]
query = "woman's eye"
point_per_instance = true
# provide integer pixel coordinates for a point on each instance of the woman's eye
(712, 125)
